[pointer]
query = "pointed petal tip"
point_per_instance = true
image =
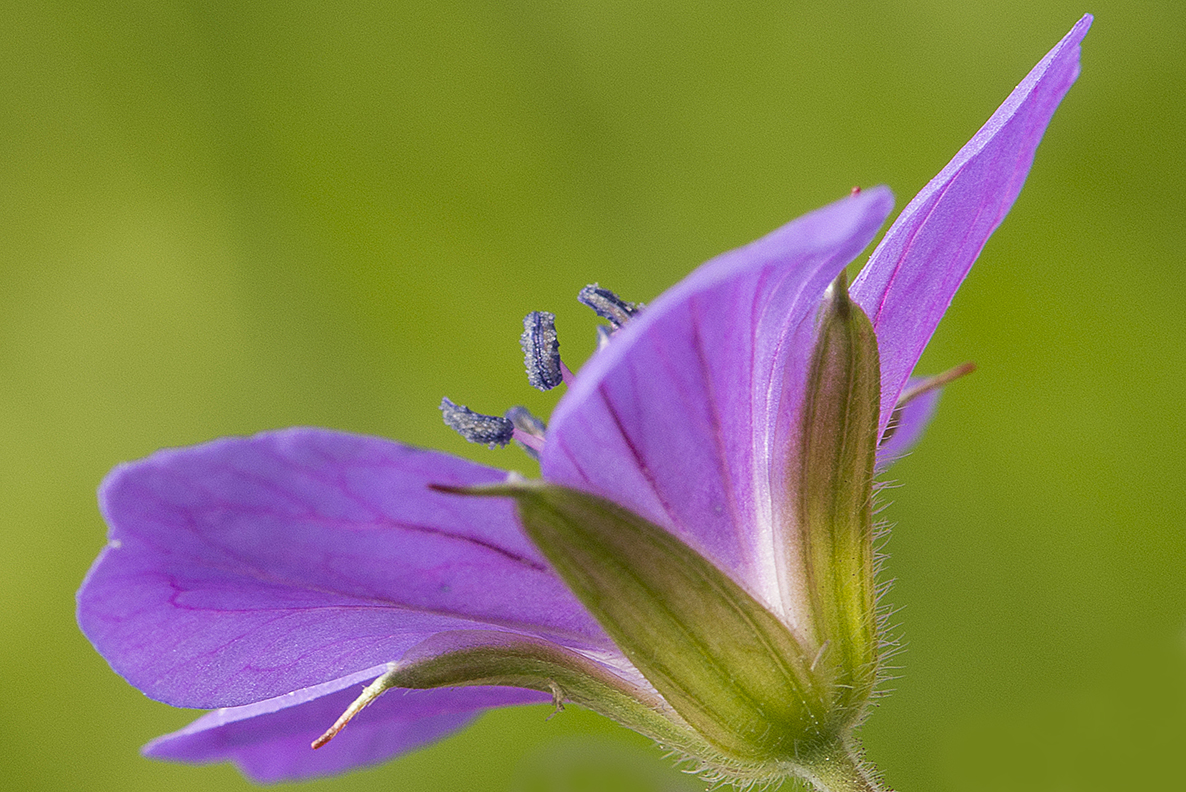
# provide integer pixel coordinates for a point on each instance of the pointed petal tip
(915, 271)
(877, 200)
(1075, 35)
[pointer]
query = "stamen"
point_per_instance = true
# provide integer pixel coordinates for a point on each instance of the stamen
(603, 336)
(914, 391)
(524, 421)
(369, 694)
(541, 350)
(608, 305)
(937, 381)
(529, 430)
(489, 430)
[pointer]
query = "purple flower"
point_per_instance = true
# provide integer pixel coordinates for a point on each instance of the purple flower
(270, 577)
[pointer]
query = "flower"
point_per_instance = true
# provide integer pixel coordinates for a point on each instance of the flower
(719, 446)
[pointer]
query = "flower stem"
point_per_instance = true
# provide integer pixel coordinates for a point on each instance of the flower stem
(843, 770)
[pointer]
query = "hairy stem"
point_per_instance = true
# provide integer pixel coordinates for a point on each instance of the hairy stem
(841, 769)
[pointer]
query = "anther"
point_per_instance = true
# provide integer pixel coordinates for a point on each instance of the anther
(541, 350)
(490, 430)
(608, 305)
(529, 430)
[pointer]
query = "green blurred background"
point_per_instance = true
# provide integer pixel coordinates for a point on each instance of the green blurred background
(217, 218)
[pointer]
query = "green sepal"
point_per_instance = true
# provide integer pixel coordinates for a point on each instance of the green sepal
(479, 657)
(834, 499)
(727, 665)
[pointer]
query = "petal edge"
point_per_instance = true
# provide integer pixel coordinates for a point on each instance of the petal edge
(914, 273)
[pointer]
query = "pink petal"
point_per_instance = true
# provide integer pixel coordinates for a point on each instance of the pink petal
(270, 741)
(677, 418)
(913, 274)
(908, 428)
(246, 568)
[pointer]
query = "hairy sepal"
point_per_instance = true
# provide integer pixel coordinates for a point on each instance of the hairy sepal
(728, 666)
(465, 658)
(834, 500)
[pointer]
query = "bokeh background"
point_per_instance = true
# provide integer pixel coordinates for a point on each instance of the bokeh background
(218, 218)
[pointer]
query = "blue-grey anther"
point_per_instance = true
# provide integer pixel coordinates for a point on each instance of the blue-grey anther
(608, 305)
(541, 350)
(489, 430)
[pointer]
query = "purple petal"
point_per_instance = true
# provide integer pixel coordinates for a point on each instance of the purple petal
(270, 740)
(907, 428)
(913, 274)
(246, 568)
(677, 418)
